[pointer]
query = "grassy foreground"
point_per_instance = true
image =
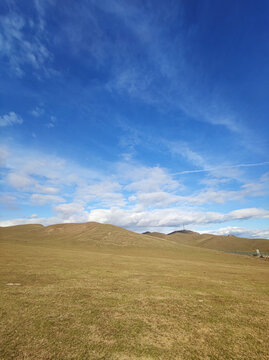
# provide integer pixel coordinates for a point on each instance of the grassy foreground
(125, 302)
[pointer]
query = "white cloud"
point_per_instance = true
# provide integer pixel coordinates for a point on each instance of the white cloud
(50, 125)
(52, 122)
(250, 213)
(47, 189)
(171, 217)
(206, 195)
(154, 220)
(30, 220)
(3, 156)
(37, 111)
(38, 177)
(69, 209)
(15, 45)
(181, 148)
(8, 202)
(147, 179)
(7, 198)
(42, 199)
(146, 186)
(215, 174)
(27, 182)
(132, 196)
(157, 199)
(71, 212)
(20, 181)
(178, 89)
(106, 192)
(239, 231)
(43, 172)
(10, 119)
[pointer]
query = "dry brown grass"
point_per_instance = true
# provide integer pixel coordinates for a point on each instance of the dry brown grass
(87, 300)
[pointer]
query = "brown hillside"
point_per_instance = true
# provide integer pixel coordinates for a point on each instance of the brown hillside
(216, 242)
(91, 233)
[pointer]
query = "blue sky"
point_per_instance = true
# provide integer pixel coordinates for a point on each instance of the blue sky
(144, 114)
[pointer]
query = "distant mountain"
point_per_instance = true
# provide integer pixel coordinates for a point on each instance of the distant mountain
(155, 234)
(182, 232)
(215, 242)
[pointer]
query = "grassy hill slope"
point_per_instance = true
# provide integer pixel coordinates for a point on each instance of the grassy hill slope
(92, 291)
(217, 242)
(88, 234)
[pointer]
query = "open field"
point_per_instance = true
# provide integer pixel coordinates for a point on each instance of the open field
(100, 292)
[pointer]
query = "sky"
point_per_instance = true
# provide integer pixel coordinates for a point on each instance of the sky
(150, 115)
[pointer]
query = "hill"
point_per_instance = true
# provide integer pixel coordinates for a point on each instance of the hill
(100, 235)
(215, 242)
(182, 232)
(86, 234)
(155, 234)
(93, 291)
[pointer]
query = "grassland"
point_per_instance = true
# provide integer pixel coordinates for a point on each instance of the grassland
(101, 292)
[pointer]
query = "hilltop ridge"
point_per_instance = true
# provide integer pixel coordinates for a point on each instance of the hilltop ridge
(215, 242)
(89, 233)
(97, 234)
(182, 232)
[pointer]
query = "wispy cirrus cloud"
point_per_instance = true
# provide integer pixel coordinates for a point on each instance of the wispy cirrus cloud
(105, 192)
(222, 167)
(216, 174)
(8, 202)
(37, 111)
(168, 78)
(147, 179)
(16, 47)
(42, 199)
(10, 119)
(198, 162)
(41, 173)
(207, 195)
(203, 164)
